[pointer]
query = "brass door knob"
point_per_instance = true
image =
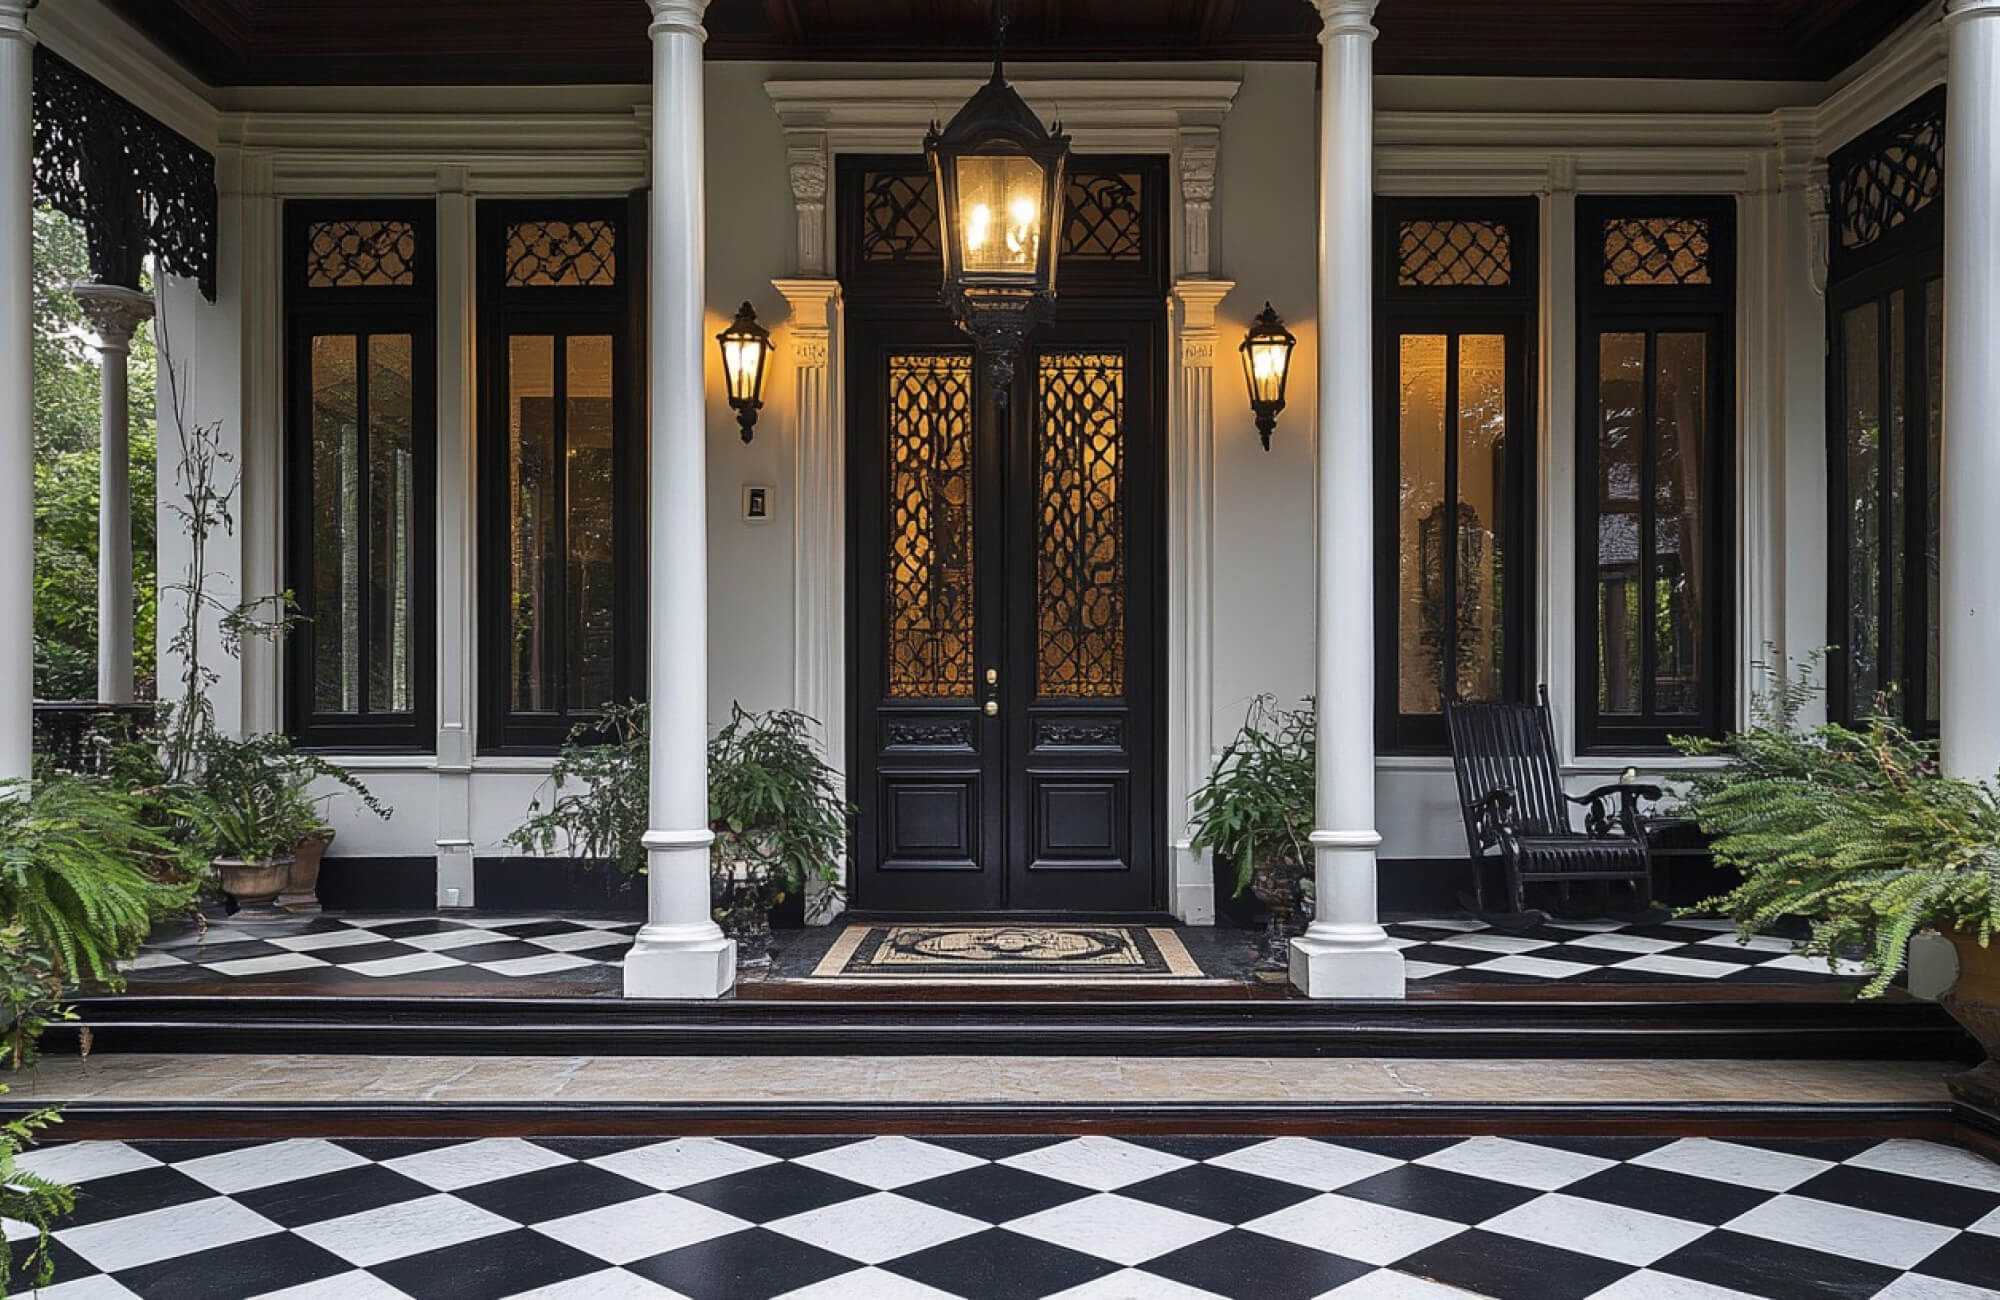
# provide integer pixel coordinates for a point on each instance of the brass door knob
(992, 708)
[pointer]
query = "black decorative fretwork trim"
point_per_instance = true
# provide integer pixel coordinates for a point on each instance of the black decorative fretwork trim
(1879, 192)
(1103, 221)
(899, 217)
(136, 186)
(1073, 733)
(928, 734)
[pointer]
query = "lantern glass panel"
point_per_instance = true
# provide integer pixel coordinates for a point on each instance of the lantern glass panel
(1000, 213)
(1265, 361)
(743, 362)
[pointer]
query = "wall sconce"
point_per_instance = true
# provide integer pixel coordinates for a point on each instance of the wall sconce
(746, 354)
(1267, 363)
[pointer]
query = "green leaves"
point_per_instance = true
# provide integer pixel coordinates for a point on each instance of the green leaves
(765, 775)
(1259, 798)
(605, 818)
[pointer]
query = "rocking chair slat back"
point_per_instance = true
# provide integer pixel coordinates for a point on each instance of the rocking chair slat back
(1512, 747)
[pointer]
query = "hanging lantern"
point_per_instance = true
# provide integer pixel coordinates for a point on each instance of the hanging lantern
(746, 352)
(1267, 363)
(1000, 186)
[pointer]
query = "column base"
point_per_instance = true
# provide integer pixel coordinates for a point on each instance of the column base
(663, 965)
(1324, 968)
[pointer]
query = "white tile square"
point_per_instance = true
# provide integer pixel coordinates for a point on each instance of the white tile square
(611, 1284)
(189, 1229)
(1731, 1162)
(1547, 968)
(1595, 1228)
(682, 1162)
(1502, 943)
(1523, 1164)
(1844, 1230)
(151, 959)
(79, 1162)
(876, 1284)
(1129, 1284)
(410, 965)
(1987, 1226)
(547, 963)
(467, 1164)
(636, 1229)
(1304, 1162)
(1815, 966)
(1388, 1284)
(356, 1285)
(1117, 1228)
(1711, 924)
(886, 1163)
(1770, 943)
(1585, 927)
(1648, 1285)
(1360, 1230)
(1638, 943)
(268, 1164)
(1459, 924)
(281, 961)
(1939, 1163)
(321, 940)
(446, 940)
(1423, 970)
(1102, 1164)
(98, 1286)
(213, 936)
(1917, 1286)
(579, 941)
(1660, 963)
(876, 1229)
(405, 1228)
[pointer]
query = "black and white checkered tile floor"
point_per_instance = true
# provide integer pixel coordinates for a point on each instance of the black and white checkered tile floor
(1601, 952)
(387, 947)
(1091, 1218)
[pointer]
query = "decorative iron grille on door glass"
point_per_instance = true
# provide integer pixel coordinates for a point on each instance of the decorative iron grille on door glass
(1656, 288)
(929, 605)
(1885, 358)
(1080, 535)
(562, 520)
(360, 305)
(1457, 288)
(1104, 209)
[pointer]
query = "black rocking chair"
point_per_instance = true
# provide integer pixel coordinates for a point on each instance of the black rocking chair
(1511, 792)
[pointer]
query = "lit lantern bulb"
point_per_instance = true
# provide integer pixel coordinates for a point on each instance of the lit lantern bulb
(978, 225)
(1021, 233)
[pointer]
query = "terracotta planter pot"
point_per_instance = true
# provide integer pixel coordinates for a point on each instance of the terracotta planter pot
(745, 887)
(253, 884)
(302, 882)
(1974, 1001)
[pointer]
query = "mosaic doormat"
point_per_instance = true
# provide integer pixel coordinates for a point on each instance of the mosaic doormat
(963, 953)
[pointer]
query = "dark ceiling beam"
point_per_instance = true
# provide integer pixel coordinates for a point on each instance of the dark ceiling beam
(784, 16)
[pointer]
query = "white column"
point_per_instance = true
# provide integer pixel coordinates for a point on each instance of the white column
(17, 391)
(115, 313)
(680, 952)
(1345, 953)
(1969, 537)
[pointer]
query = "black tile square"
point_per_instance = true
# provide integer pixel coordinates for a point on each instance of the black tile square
(771, 1192)
(134, 1193)
(488, 1268)
(1832, 1149)
(1774, 1269)
(791, 1148)
(209, 954)
(1399, 1148)
(590, 1148)
(554, 1193)
(1195, 1148)
(1217, 1193)
(390, 1148)
(416, 925)
(536, 929)
(1679, 1196)
(180, 1150)
(994, 1193)
(1605, 1148)
(1001, 1265)
(1440, 1193)
(329, 1196)
(1972, 1258)
(1910, 1198)
(69, 1266)
(993, 1147)
(1248, 1266)
(1507, 1268)
(750, 1265)
(508, 950)
(361, 952)
(246, 1268)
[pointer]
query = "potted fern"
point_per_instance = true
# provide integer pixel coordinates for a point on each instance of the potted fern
(1859, 833)
(596, 809)
(1256, 810)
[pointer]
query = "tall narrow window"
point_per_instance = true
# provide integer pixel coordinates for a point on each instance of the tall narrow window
(1885, 359)
(360, 309)
(1457, 285)
(561, 465)
(1656, 286)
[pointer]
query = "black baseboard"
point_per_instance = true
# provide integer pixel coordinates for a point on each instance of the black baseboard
(568, 885)
(378, 884)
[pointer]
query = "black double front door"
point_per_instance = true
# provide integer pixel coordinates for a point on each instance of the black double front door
(1005, 619)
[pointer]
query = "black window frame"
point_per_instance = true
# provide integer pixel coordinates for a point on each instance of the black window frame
(1652, 310)
(562, 311)
(1512, 311)
(363, 311)
(1907, 257)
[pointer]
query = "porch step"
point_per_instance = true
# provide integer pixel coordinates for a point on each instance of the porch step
(1668, 1028)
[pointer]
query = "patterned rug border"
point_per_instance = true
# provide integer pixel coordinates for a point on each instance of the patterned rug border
(1181, 967)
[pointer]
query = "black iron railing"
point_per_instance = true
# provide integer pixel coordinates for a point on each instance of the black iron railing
(74, 735)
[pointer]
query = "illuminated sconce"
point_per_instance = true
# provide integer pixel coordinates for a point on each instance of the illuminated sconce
(746, 354)
(1267, 363)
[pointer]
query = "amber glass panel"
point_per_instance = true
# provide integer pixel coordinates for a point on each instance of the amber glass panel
(336, 491)
(928, 611)
(1479, 643)
(533, 526)
(1680, 433)
(1000, 213)
(1656, 251)
(392, 522)
(1080, 537)
(587, 478)
(360, 254)
(562, 254)
(1454, 253)
(1934, 443)
(1421, 619)
(1861, 440)
(1621, 403)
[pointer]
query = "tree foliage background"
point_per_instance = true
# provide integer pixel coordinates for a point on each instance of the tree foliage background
(66, 460)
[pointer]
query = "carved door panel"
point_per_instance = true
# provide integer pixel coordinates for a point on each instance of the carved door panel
(1005, 637)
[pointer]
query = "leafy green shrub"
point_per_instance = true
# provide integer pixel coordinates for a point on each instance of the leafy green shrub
(29, 1198)
(766, 778)
(603, 819)
(250, 799)
(1857, 831)
(1259, 798)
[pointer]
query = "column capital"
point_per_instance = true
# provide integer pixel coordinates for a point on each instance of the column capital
(681, 17)
(1346, 18)
(1957, 11)
(14, 20)
(1198, 300)
(114, 311)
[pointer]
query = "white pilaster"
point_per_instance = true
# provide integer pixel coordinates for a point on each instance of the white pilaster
(680, 952)
(1969, 613)
(1345, 953)
(17, 391)
(457, 648)
(115, 314)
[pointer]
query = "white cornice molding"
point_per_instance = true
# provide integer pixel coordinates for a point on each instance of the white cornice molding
(891, 114)
(1903, 67)
(399, 153)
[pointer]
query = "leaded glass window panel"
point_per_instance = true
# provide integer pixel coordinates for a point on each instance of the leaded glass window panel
(1885, 189)
(1440, 253)
(929, 607)
(562, 254)
(1080, 536)
(360, 253)
(1656, 251)
(1103, 218)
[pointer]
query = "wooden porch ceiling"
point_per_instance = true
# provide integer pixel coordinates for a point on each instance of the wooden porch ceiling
(474, 42)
